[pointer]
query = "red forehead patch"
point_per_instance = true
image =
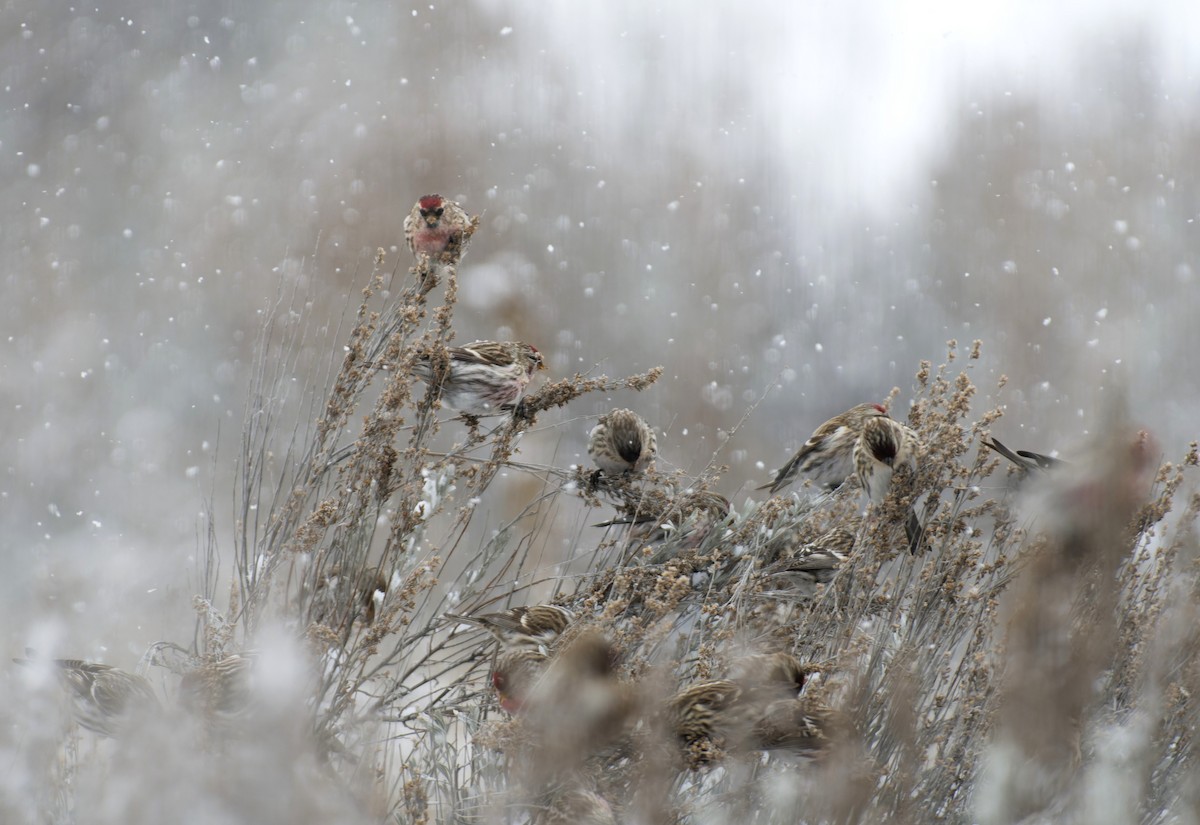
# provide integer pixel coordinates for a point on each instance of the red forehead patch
(880, 408)
(430, 201)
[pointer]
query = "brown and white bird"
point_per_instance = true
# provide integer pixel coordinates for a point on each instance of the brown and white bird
(723, 714)
(484, 376)
(222, 690)
(883, 446)
(514, 675)
(621, 442)
(818, 561)
(579, 706)
(572, 806)
(768, 677)
(827, 457)
(533, 627)
(436, 226)
(103, 698)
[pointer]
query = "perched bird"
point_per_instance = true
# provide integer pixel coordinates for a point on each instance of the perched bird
(1024, 460)
(535, 627)
(705, 711)
(484, 376)
(818, 561)
(336, 600)
(621, 442)
(767, 677)
(726, 715)
(514, 675)
(435, 226)
(103, 698)
(802, 725)
(578, 707)
(222, 690)
(827, 457)
(572, 806)
(882, 446)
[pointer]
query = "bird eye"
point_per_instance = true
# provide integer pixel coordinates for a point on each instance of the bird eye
(438, 211)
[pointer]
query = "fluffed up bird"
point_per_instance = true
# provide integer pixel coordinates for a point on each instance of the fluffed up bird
(578, 707)
(827, 458)
(103, 698)
(222, 690)
(533, 627)
(485, 376)
(572, 806)
(883, 446)
(818, 561)
(621, 442)
(768, 677)
(514, 675)
(436, 227)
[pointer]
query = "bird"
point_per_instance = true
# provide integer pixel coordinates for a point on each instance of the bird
(436, 227)
(621, 442)
(103, 698)
(882, 446)
(827, 456)
(766, 677)
(534, 627)
(484, 376)
(514, 675)
(336, 600)
(818, 561)
(572, 806)
(221, 690)
(578, 706)
(704, 711)
(1024, 460)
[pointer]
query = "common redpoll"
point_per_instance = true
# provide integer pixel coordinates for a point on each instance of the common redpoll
(533, 627)
(484, 376)
(1024, 460)
(803, 725)
(220, 690)
(103, 698)
(514, 675)
(621, 442)
(705, 710)
(723, 714)
(882, 446)
(572, 806)
(766, 677)
(436, 225)
(335, 600)
(579, 706)
(827, 456)
(818, 561)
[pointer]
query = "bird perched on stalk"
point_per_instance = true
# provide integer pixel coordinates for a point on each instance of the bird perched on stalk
(882, 446)
(757, 708)
(484, 376)
(533, 627)
(222, 691)
(527, 637)
(572, 806)
(827, 457)
(818, 561)
(436, 227)
(514, 675)
(621, 442)
(103, 698)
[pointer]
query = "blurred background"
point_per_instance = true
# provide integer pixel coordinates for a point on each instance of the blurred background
(791, 205)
